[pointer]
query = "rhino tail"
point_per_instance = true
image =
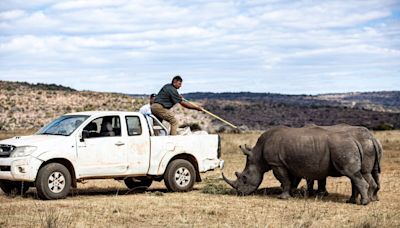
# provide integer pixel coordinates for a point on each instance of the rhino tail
(378, 154)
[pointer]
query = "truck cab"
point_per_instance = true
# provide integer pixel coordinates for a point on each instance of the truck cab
(124, 146)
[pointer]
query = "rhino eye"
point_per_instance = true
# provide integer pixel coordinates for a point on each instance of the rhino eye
(244, 178)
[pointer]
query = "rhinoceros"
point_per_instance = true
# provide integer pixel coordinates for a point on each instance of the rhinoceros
(311, 153)
(370, 164)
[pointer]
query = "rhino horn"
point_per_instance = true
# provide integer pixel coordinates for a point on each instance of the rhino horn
(245, 150)
(233, 184)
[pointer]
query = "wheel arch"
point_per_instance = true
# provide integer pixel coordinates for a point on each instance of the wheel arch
(65, 162)
(190, 158)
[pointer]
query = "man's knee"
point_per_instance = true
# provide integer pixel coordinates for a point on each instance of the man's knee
(173, 121)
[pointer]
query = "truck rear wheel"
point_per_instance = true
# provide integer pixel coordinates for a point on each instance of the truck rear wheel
(53, 182)
(180, 176)
(132, 183)
(14, 188)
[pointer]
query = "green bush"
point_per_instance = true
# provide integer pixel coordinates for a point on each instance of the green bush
(384, 127)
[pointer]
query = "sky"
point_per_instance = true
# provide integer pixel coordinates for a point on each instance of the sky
(137, 46)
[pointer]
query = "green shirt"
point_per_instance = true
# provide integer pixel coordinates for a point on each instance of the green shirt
(168, 96)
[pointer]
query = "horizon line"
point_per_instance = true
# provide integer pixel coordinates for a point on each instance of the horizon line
(209, 92)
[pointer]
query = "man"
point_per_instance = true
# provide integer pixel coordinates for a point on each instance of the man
(166, 99)
(146, 109)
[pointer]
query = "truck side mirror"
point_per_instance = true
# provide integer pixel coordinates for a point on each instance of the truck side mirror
(83, 135)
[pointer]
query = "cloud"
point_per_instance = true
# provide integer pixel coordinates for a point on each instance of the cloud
(280, 46)
(11, 14)
(78, 5)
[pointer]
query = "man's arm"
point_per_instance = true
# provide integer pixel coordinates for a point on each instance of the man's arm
(190, 106)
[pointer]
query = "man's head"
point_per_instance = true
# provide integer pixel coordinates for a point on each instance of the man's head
(177, 82)
(152, 97)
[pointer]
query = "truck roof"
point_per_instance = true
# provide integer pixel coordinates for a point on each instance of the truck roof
(89, 113)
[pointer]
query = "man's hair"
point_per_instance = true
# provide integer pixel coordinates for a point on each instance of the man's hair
(153, 95)
(177, 78)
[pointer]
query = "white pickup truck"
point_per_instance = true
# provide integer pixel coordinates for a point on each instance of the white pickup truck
(96, 145)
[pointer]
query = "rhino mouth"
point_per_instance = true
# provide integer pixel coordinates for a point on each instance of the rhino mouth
(242, 189)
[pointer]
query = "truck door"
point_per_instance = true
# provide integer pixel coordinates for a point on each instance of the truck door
(138, 144)
(103, 151)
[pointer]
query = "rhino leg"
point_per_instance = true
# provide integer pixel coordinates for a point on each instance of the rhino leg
(375, 175)
(310, 187)
(372, 186)
(372, 189)
(283, 176)
(361, 186)
(295, 181)
(354, 194)
(322, 188)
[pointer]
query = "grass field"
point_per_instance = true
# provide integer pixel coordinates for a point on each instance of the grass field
(107, 203)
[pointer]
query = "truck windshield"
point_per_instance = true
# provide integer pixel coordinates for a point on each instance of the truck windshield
(64, 125)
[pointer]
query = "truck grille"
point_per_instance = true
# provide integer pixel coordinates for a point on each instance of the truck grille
(5, 150)
(5, 168)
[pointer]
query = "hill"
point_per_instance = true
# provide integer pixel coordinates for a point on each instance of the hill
(375, 110)
(29, 106)
(387, 101)
(25, 106)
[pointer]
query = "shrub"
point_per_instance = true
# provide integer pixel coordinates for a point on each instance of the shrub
(216, 187)
(384, 127)
(193, 126)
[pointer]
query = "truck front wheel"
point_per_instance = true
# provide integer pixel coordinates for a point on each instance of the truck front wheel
(180, 176)
(53, 182)
(14, 188)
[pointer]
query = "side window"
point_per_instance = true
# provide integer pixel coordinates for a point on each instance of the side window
(133, 125)
(103, 127)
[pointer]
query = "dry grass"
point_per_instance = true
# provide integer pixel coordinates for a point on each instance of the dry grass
(107, 203)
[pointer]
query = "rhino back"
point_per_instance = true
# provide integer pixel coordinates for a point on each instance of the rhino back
(303, 151)
(366, 140)
(346, 152)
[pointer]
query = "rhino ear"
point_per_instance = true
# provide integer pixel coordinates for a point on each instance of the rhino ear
(247, 147)
(245, 150)
(237, 174)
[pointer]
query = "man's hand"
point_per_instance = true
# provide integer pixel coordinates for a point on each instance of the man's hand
(190, 105)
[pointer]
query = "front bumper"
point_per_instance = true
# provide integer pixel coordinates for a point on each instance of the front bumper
(19, 169)
(221, 164)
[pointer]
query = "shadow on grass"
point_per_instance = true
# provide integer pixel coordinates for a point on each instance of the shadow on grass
(210, 188)
(218, 188)
(95, 191)
(301, 193)
(98, 191)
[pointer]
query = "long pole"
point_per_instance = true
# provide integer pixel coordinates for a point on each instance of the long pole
(212, 114)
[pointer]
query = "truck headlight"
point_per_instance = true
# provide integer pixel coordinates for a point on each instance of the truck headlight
(23, 151)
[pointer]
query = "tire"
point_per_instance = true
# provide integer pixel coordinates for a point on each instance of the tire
(132, 183)
(14, 188)
(180, 176)
(53, 182)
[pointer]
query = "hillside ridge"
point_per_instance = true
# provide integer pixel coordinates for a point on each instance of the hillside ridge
(29, 106)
